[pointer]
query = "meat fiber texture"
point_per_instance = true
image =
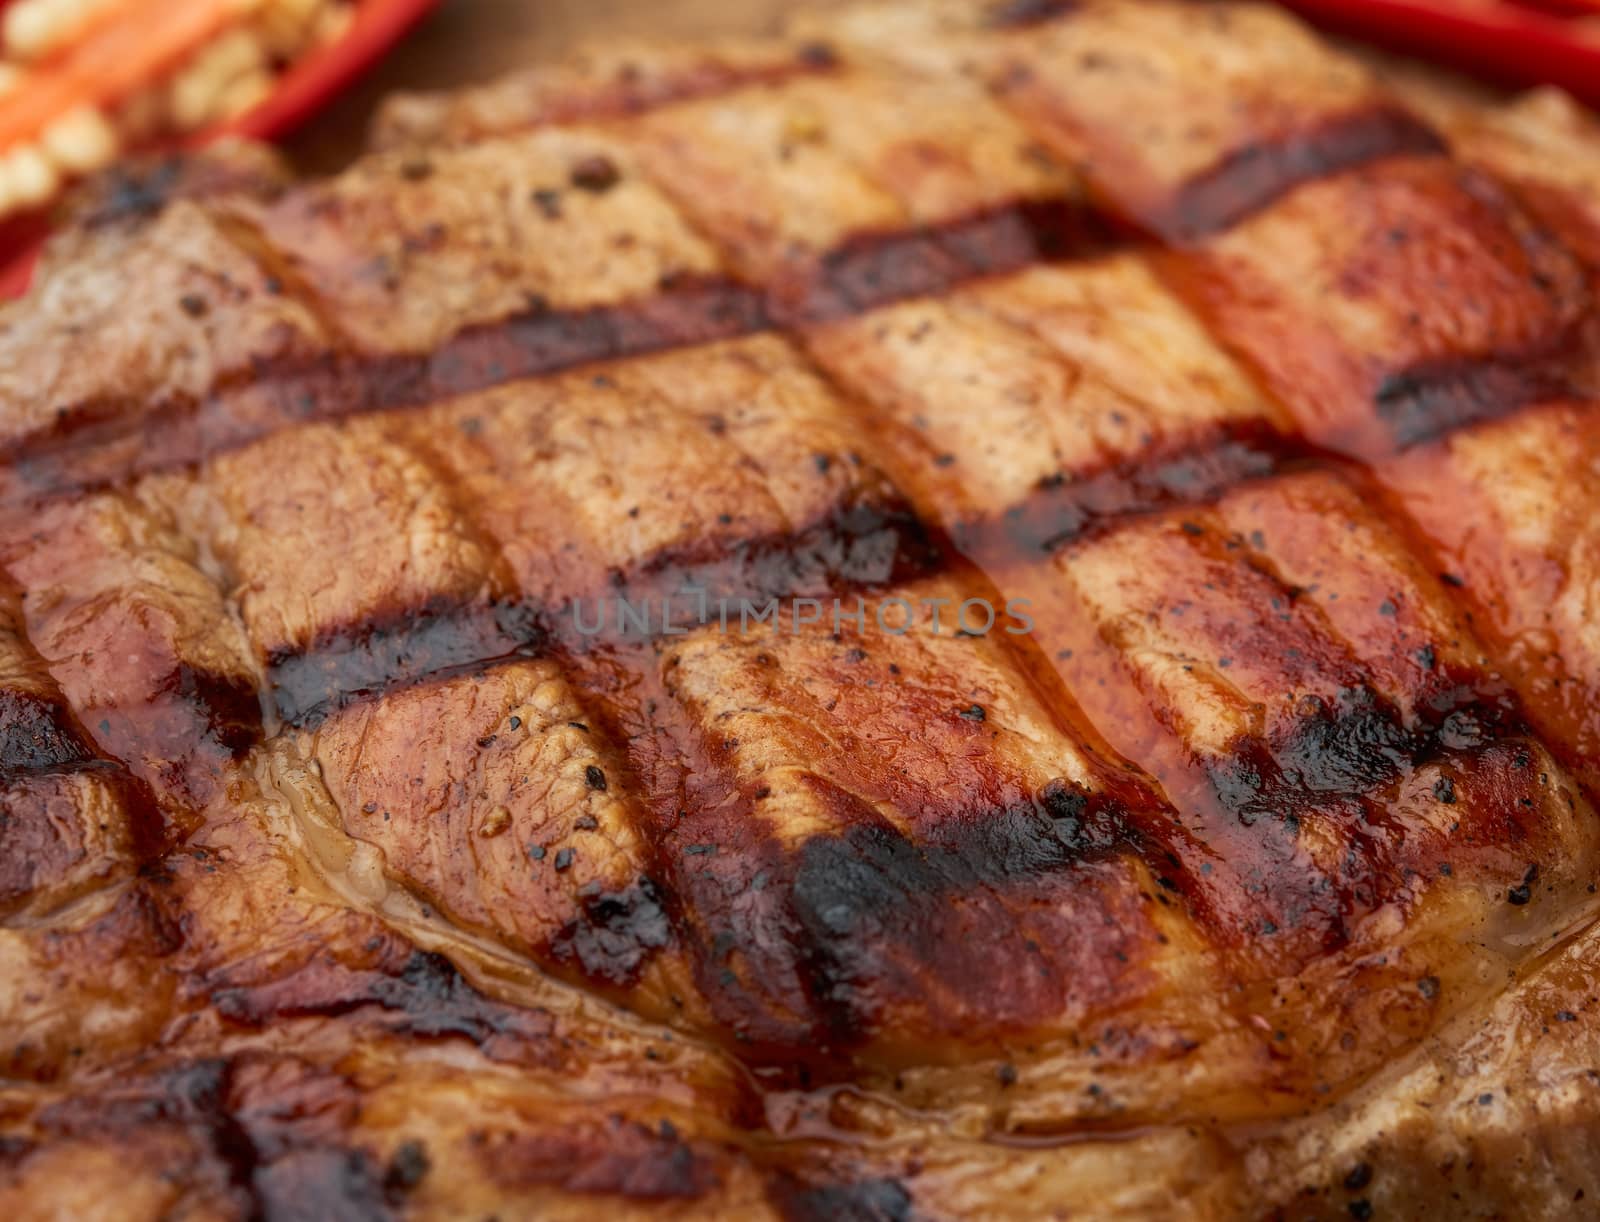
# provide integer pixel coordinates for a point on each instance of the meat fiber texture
(968, 610)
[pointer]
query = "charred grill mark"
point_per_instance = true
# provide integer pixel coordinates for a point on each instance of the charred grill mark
(1019, 14)
(193, 1098)
(689, 311)
(407, 645)
(38, 734)
(99, 443)
(134, 193)
(863, 897)
(867, 1200)
(862, 545)
(1359, 742)
(1400, 754)
(1261, 788)
(53, 846)
(424, 992)
(1358, 745)
(1250, 178)
(326, 1182)
(809, 952)
(1427, 402)
(721, 869)
(619, 932)
(69, 815)
(619, 1158)
(1425, 274)
(1183, 471)
(1347, 759)
(629, 92)
(871, 918)
(867, 543)
(184, 727)
(875, 269)
(119, 649)
(276, 395)
(228, 705)
(278, 1156)
(1065, 826)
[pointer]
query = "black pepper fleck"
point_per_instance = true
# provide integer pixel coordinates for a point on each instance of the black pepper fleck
(595, 174)
(549, 203)
(817, 55)
(408, 1167)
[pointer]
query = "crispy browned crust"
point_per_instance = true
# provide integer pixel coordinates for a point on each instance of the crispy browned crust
(347, 874)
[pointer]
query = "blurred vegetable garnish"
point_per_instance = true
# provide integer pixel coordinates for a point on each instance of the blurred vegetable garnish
(81, 80)
(84, 81)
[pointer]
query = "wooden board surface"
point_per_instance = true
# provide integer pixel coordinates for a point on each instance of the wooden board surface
(474, 40)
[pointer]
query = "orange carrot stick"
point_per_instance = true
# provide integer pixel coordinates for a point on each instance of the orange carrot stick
(136, 45)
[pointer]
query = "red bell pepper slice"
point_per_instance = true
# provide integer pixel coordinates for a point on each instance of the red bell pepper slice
(134, 45)
(1518, 42)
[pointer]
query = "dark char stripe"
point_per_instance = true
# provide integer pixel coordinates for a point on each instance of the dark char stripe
(873, 543)
(38, 735)
(868, 1200)
(408, 644)
(421, 995)
(101, 442)
(875, 269)
(837, 937)
(1188, 470)
(615, 1158)
(1429, 401)
(870, 542)
(1250, 178)
(273, 396)
(1019, 14)
(631, 92)
(272, 1163)
(856, 546)
(1359, 744)
(868, 899)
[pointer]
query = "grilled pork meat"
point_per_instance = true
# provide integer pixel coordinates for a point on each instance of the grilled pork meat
(980, 609)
